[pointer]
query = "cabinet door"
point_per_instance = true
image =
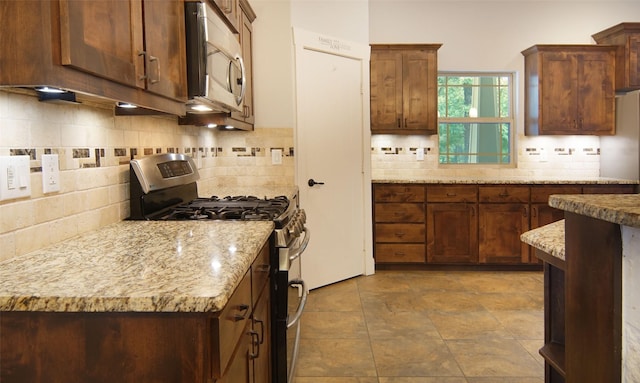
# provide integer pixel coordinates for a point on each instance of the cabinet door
(240, 370)
(165, 48)
(104, 38)
(229, 9)
(634, 62)
(499, 227)
(246, 35)
(452, 233)
(261, 352)
(596, 96)
(419, 87)
(386, 90)
(559, 98)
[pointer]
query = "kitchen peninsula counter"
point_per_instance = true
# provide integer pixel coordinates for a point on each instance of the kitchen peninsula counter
(136, 266)
(596, 298)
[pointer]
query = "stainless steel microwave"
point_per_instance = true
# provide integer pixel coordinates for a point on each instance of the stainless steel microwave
(216, 80)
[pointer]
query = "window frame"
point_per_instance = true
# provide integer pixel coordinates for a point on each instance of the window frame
(511, 120)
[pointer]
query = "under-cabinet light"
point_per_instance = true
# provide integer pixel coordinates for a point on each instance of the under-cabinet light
(49, 94)
(126, 105)
(201, 108)
(46, 89)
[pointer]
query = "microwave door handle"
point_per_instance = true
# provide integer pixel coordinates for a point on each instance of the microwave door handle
(243, 80)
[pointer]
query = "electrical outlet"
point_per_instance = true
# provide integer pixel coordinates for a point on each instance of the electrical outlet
(15, 177)
(50, 173)
(420, 154)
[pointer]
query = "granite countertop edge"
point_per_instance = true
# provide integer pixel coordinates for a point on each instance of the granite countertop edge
(136, 266)
(622, 209)
(548, 238)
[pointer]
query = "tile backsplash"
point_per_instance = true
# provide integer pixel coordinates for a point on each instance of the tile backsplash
(94, 148)
(395, 157)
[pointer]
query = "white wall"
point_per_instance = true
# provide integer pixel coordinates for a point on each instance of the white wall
(273, 47)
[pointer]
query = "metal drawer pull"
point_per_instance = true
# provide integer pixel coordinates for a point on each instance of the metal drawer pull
(241, 308)
(255, 343)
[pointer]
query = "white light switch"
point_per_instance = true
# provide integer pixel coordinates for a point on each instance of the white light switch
(50, 173)
(276, 156)
(420, 154)
(15, 177)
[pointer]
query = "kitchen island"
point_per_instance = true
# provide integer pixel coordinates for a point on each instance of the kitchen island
(136, 301)
(592, 285)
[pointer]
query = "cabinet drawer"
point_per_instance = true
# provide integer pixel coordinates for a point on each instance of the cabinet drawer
(540, 194)
(229, 325)
(452, 193)
(259, 273)
(504, 193)
(402, 253)
(400, 232)
(398, 193)
(399, 212)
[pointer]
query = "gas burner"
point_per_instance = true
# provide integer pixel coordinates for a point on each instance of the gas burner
(243, 208)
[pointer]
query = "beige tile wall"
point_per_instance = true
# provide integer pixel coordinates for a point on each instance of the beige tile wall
(95, 189)
(569, 157)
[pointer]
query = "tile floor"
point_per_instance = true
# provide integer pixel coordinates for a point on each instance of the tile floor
(425, 327)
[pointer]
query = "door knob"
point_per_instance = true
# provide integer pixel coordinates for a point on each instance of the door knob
(311, 182)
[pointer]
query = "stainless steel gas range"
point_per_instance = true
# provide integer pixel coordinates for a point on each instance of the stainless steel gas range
(163, 187)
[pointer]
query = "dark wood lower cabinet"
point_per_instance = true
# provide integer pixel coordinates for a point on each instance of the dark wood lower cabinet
(500, 226)
(452, 233)
(104, 347)
(457, 224)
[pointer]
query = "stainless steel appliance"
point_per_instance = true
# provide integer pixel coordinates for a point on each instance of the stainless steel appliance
(216, 80)
(163, 187)
(620, 154)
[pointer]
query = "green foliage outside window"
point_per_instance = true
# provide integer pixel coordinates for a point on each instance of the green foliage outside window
(475, 119)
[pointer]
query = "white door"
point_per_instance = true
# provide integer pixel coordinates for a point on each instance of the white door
(331, 118)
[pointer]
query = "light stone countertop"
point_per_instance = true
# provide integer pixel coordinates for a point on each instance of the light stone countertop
(136, 266)
(622, 209)
(507, 180)
(548, 238)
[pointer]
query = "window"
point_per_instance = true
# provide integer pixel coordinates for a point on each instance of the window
(475, 118)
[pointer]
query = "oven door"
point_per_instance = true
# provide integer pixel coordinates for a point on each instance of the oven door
(290, 303)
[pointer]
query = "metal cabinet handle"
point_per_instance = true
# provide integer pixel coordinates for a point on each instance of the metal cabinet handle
(157, 61)
(144, 76)
(255, 344)
(244, 310)
(261, 323)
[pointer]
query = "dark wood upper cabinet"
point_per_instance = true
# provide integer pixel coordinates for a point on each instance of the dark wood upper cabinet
(626, 36)
(403, 89)
(569, 90)
(120, 50)
(141, 44)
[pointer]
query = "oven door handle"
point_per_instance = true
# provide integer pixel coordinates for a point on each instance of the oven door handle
(303, 302)
(300, 249)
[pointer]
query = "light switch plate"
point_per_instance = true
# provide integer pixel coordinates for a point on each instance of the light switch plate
(50, 173)
(15, 177)
(420, 154)
(276, 156)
